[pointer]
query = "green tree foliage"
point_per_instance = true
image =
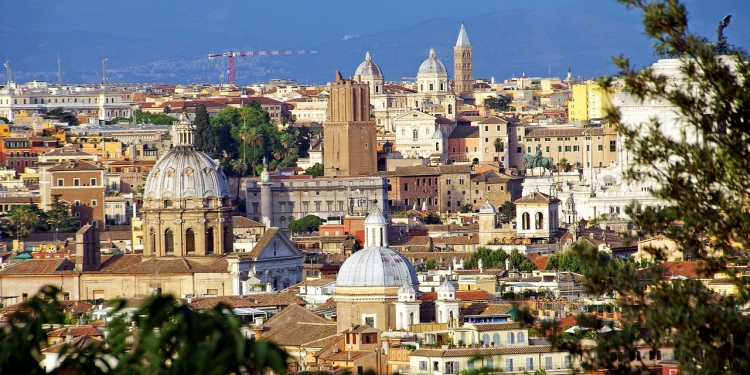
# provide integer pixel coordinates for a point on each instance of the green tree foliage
(465, 209)
(507, 212)
(58, 217)
(142, 117)
(432, 217)
(247, 134)
(204, 136)
(496, 259)
(309, 223)
(570, 261)
(498, 103)
(22, 220)
(430, 264)
(165, 337)
(4, 120)
(315, 171)
(704, 174)
(59, 114)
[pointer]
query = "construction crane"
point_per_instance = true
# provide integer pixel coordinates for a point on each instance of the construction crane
(232, 55)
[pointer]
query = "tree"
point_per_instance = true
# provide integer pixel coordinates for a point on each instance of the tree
(204, 135)
(432, 217)
(167, 110)
(315, 171)
(498, 103)
(507, 212)
(59, 114)
(466, 208)
(239, 167)
(309, 223)
(22, 220)
(430, 264)
(562, 165)
(58, 217)
(164, 336)
(703, 173)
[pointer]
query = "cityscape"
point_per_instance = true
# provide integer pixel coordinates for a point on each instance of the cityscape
(453, 221)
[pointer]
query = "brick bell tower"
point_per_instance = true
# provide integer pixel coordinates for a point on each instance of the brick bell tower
(463, 64)
(349, 134)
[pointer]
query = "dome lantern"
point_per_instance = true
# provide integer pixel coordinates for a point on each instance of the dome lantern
(376, 225)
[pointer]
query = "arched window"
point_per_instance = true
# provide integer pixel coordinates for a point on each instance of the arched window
(486, 339)
(415, 134)
(152, 236)
(210, 241)
(525, 221)
(437, 146)
(539, 221)
(450, 109)
(510, 338)
(190, 240)
(169, 241)
(521, 338)
(496, 339)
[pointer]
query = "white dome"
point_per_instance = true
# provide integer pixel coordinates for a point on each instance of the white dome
(446, 286)
(406, 288)
(487, 208)
(184, 172)
(432, 65)
(376, 267)
(376, 218)
(368, 68)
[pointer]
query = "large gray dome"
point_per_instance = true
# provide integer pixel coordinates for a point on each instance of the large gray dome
(184, 172)
(368, 68)
(432, 64)
(376, 267)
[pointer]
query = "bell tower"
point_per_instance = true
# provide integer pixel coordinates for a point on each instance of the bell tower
(350, 143)
(463, 64)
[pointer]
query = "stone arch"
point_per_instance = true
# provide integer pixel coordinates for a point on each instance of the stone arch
(190, 240)
(539, 220)
(210, 240)
(152, 239)
(525, 221)
(169, 240)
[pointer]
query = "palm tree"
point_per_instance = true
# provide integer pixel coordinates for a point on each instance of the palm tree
(288, 142)
(499, 145)
(255, 140)
(239, 167)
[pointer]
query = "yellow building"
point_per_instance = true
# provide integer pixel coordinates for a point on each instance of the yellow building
(589, 101)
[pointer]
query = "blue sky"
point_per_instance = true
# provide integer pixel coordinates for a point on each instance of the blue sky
(136, 32)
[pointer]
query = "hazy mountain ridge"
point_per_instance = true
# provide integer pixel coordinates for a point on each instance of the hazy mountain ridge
(536, 43)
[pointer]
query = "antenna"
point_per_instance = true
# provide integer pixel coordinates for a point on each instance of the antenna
(7, 70)
(59, 70)
(104, 71)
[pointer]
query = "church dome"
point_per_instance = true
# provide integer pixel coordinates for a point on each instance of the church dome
(376, 218)
(432, 65)
(185, 172)
(446, 287)
(376, 267)
(368, 68)
(487, 208)
(406, 289)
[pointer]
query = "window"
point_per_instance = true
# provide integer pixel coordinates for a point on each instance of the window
(431, 87)
(460, 181)
(77, 203)
(451, 367)
(528, 149)
(566, 362)
(598, 147)
(519, 150)
(447, 181)
(548, 363)
(76, 182)
(508, 364)
(93, 182)
(546, 148)
(406, 186)
(60, 182)
(415, 134)
(612, 146)
(588, 147)
(529, 363)
(567, 148)
(93, 202)
(78, 214)
(575, 148)
(422, 365)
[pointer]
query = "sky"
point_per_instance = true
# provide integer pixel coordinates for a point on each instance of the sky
(135, 33)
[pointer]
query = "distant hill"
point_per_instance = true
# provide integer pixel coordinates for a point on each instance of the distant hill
(536, 43)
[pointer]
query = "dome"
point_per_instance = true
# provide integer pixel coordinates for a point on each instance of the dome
(376, 267)
(487, 208)
(406, 288)
(184, 172)
(368, 67)
(376, 218)
(432, 65)
(446, 287)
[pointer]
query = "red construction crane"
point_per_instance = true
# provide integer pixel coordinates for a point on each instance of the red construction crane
(232, 54)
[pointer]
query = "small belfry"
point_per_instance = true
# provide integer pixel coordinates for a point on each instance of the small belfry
(463, 64)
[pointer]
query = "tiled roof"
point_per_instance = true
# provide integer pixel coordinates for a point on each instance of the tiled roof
(538, 132)
(163, 266)
(78, 343)
(40, 267)
(76, 331)
(461, 132)
(292, 314)
(344, 356)
(75, 165)
(416, 171)
(482, 308)
(541, 262)
(243, 222)
(302, 333)
(79, 306)
(457, 240)
(496, 326)
(263, 242)
(454, 168)
(114, 263)
(493, 120)
(536, 197)
(462, 295)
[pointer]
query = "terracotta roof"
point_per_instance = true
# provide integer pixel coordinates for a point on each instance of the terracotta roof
(40, 267)
(164, 266)
(292, 314)
(263, 242)
(457, 240)
(253, 300)
(302, 333)
(678, 269)
(461, 132)
(541, 262)
(79, 306)
(78, 343)
(418, 170)
(462, 295)
(76, 331)
(317, 282)
(496, 326)
(482, 308)
(114, 263)
(454, 168)
(539, 132)
(536, 197)
(75, 165)
(243, 222)
(493, 120)
(344, 356)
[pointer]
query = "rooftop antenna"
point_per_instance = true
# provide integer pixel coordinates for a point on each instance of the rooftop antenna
(7, 70)
(104, 71)
(59, 70)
